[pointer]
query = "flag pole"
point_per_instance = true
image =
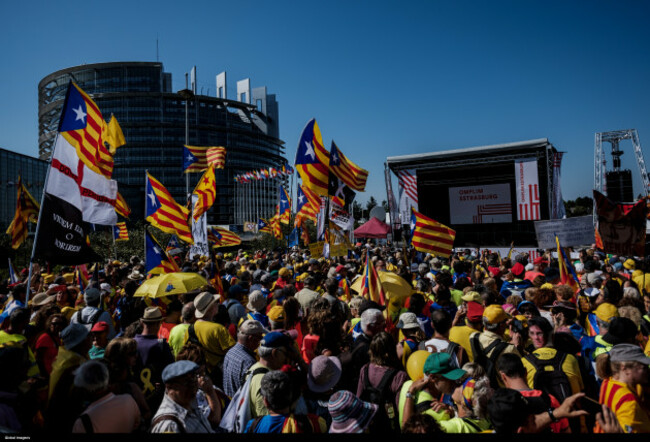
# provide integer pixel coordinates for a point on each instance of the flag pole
(38, 222)
(115, 243)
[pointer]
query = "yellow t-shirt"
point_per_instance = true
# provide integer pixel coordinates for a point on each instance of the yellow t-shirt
(570, 367)
(420, 397)
(460, 335)
(215, 340)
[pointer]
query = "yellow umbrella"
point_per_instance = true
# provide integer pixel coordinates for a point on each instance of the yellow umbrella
(393, 285)
(170, 284)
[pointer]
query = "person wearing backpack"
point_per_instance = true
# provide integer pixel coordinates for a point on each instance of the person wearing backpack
(380, 382)
(440, 341)
(513, 374)
(489, 344)
(92, 313)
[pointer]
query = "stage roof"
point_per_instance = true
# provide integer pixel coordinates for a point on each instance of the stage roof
(480, 154)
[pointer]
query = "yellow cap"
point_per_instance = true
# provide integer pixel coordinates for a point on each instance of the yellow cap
(629, 264)
(276, 313)
(471, 296)
(495, 314)
(606, 312)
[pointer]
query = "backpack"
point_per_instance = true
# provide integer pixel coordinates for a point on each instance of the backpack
(90, 322)
(303, 424)
(386, 420)
(238, 412)
(549, 376)
(488, 363)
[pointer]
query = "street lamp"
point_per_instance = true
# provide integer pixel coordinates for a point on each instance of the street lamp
(187, 94)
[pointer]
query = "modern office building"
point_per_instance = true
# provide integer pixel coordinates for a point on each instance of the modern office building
(153, 119)
(31, 170)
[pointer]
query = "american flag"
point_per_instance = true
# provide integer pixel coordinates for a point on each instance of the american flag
(409, 182)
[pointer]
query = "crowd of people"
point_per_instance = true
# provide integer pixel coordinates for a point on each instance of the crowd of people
(284, 342)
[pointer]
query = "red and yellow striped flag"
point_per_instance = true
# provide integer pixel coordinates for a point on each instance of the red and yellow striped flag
(275, 226)
(26, 210)
(163, 212)
(121, 207)
(120, 233)
(348, 172)
(89, 140)
(371, 287)
(216, 156)
(206, 191)
(429, 236)
(312, 159)
(220, 237)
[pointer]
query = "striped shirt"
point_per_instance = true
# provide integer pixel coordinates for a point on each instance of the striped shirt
(626, 405)
(235, 365)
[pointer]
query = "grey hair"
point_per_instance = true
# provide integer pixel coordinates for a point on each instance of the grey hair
(482, 394)
(474, 370)
(356, 302)
(276, 390)
(92, 376)
(369, 317)
(264, 352)
(490, 327)
(632, 293)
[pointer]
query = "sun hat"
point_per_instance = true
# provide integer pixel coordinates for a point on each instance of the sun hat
(440, 364)
(41, 299)
(256, 301)
(592, 292)
(593, 278)
(323, 374)
(495, 314)
(628, 353)
(135, 275)
(152, 314)
(349, 413)
(178, 369)
(561, 305)
(73, 335)
(474, 311)
(203, 302)
(606, 312)
(407, 321)
(105, 287)
(471, 296)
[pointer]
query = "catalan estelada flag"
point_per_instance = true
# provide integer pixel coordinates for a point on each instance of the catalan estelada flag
(26, 210)
(206, 191)
(371, 287)
(285, 206)
(121, 207)
(220, 237)
(216, 156)
(312, 159)
(156, 259)
(173, 244)
(568, 275)
(263, 226)
(165, 213)
(308, 203)
(348, 172)
(275, 226)
(88, 140)
(429, 236)
(120, 233)
(194, 158)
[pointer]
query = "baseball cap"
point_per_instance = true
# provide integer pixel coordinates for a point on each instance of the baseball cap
(276, 313)
(495, 314)
(252, 327)
(471, 296)
(518, 269)
(474, 311)
(276, 340)
(629, 264)
(99, 327)
(91, 295)
(440, 364)
(606, 312)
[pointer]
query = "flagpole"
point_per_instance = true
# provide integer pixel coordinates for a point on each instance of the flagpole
(38, 222)
(115, 243)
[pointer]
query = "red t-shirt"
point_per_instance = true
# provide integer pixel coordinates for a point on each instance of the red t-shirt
(51, 349)
(557, 427)
(165, 328)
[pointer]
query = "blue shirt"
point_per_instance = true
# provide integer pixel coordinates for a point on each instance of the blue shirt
(268, 424)
(235, 365)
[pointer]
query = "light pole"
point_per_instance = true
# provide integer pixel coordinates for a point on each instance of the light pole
(186, 94)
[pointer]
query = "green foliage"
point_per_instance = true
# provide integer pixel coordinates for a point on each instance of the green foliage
(579, 207)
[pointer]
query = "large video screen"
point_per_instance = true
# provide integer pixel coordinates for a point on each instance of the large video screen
(480, 204)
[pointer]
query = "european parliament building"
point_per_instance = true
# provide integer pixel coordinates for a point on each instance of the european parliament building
(153, 119)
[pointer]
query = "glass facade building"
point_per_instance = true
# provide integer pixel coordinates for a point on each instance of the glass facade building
(152, 117)
(31, 170)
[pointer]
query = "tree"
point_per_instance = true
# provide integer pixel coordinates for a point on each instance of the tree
(384, 204)
(581, 206)
(357, 210)
(372, 203)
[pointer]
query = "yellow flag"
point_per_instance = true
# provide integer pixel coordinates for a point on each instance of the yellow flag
(114, 136)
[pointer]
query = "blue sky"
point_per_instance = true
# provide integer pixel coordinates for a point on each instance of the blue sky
(381, 78)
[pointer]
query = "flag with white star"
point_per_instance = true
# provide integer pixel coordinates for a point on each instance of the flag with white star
(348, 172)
(163, 212)
(285, 206)
(312, 159)
(120, 233)
(156, 259)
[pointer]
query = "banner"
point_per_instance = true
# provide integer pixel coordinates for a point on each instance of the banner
(392, 206)
(408, 193)
(578, 231)
(557, 204)
(621, 227)
(250, 226)
(199, 233)
(482, 204)
(316, 249)
(341, 218)
(527, 188)
(338, 250)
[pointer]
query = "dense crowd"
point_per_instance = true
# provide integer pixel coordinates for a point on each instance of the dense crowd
(283, 342)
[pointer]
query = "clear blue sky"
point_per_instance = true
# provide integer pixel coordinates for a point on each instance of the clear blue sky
(381, 78)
